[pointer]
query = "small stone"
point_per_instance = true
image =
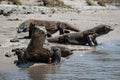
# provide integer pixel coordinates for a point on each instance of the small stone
(14, 40)
(49, 15)
(1, 12)
(13, 19)
(43, 12)
(7, 55)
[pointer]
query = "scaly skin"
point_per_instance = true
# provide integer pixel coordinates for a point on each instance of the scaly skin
(38, 53)
(87, 37)
(51, 26)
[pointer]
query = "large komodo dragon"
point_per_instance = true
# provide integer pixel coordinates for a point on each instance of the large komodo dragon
(87, 37)
(37, 50)
(51, 26)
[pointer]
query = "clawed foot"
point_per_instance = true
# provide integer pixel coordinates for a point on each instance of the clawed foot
(19, 62)
(20, 55)
(56, 57)
(55, 63)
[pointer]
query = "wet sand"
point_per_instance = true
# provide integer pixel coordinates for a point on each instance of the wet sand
(100, 63)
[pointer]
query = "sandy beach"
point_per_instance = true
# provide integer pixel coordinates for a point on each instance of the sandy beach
(83, 19)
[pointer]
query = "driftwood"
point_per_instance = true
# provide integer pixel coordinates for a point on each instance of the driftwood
(87, 37)
(38, 52)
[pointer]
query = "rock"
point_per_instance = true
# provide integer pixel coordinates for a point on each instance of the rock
(14, 40)
(8, 55)
(16, 19)
(1, 12)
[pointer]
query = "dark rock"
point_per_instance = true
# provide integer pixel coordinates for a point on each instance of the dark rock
(13, 19)
(8, 55)
(14, 40)
(1, 12)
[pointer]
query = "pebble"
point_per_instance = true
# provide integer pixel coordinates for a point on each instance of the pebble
(14, 40)
(7, 55)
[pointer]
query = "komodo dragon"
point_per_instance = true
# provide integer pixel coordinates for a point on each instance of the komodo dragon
(87, 37)
(36, 50)
(51, 26)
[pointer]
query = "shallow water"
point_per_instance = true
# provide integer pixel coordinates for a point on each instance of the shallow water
(101, 63)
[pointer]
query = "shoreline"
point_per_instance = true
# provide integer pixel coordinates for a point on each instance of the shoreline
(83, 19)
